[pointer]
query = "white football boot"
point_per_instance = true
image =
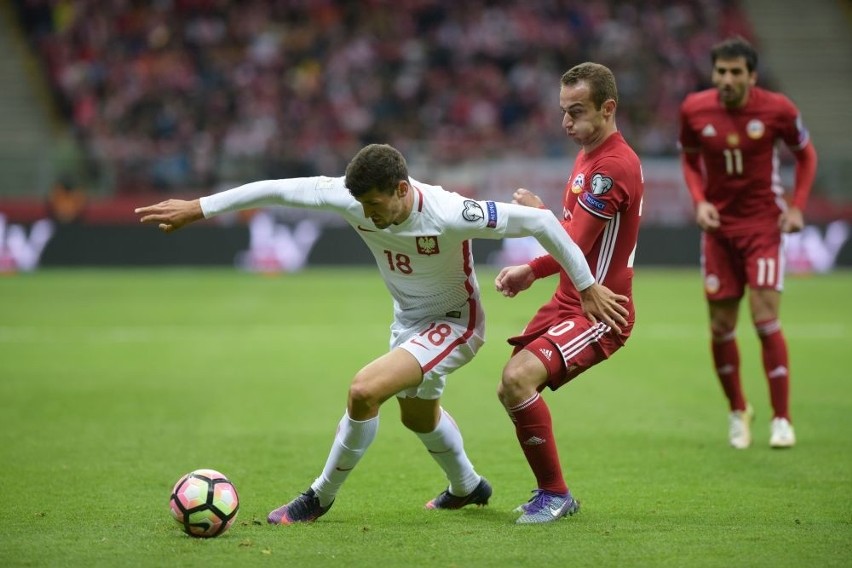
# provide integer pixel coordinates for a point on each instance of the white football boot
(782, 434)
(739, 427)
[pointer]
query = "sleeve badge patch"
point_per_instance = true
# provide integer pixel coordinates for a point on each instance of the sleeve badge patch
(472, 211)
(601, 184)
(492, 214)
(593, 203)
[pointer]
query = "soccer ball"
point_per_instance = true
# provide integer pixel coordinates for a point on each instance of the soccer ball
(204, 502)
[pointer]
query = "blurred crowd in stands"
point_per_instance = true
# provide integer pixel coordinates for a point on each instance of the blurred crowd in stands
(173, 95)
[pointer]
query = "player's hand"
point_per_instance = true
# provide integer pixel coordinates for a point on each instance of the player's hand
(707, 216)
(791, 221)
(514, 279)
(172, 214)
(602, 304)
(526, 197)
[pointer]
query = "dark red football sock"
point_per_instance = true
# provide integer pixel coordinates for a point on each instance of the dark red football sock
(776, 365)
(726, 359)
(534, 429)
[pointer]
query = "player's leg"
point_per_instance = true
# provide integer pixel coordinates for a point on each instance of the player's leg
(393, 372)
(372, 385)
(724, 284)
(442, 438)
(726, 359)
(766, 279)
(441, 346)
(723, 346)
(519, 391)
(764, 305)
(563, 352)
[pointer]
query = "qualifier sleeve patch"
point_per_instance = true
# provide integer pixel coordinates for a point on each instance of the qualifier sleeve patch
(472, 211)
(492, 213)
(601, 184)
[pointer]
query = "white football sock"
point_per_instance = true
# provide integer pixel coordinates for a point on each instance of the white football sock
(446, 447)
(352, 439)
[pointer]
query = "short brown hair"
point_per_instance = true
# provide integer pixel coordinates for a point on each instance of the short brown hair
(732, 48)
(377, 166)
(599, 77)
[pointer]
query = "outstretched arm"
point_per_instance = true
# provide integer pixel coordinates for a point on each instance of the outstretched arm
(524, 221)
(308, 193)
(172, 214)
(542, 266)
(599, 302)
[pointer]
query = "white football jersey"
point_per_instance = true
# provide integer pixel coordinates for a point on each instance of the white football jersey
(426, 261)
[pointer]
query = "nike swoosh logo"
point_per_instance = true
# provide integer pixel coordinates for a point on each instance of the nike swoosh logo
(555, 512)
(344, 468)
(366, 230)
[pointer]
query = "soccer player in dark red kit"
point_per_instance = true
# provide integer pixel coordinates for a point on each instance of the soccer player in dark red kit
(601, 211)
(729, 139)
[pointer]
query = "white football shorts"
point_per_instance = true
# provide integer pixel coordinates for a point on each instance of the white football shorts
(441, 345)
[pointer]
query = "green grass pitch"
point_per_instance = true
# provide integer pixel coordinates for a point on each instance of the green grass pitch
(115, 383)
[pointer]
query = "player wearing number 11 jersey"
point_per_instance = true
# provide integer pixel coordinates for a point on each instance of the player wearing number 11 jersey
(729, 137)
(420, 236)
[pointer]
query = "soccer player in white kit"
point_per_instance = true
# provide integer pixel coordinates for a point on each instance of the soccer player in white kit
(420, 236)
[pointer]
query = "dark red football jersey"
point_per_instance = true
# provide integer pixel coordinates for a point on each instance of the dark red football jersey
(602, 207)
(739, 151)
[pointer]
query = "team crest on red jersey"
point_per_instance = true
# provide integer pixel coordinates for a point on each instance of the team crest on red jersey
(578, 183)
(427, 245)
(755, 129)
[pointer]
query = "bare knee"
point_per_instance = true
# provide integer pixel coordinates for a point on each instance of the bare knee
(364, 401)
(522, 376)
(723, 318)
(764, 305)
(721, 329)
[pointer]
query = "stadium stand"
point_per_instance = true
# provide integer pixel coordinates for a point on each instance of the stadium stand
(185, 94)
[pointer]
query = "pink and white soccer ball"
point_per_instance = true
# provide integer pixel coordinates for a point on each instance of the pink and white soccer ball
(205, 503)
